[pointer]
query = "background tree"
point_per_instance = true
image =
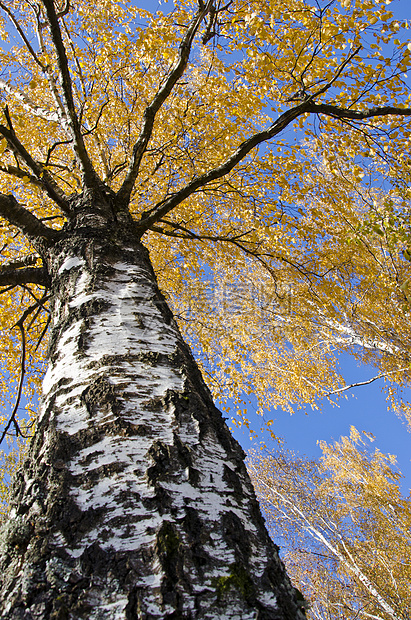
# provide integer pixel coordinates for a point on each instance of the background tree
(345, 525)
(119, 124)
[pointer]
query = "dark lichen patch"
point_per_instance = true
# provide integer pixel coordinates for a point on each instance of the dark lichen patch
(91, 308)
(142, 430)
(238, 579)
(183, 453)
(61, 612)
(301, 600)
(119, 427)
(168, 541)
(18, 533)
(138, 320)
(196, 537)
(154, 404)
(168, 460)
(153, 358)
(64, 384)
(97, 472)
(100, 395)
(169, 550)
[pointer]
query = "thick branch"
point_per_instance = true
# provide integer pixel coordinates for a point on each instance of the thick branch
(78, 142)
(151, 110)
(39, 171)
(27, 275)
(46, 69)
(22, 174)
(25, 221)
(357, 115)
(306, 107)
(160, 210)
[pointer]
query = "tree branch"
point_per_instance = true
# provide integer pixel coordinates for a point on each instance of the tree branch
(306, 107)
(358, 115)
(26, 275)
(28, 104)
(43, 176)
(22, 174)
(151, 110)
(345, 388)
(189, 234)
(162, 208)
(19, 29)
(25, 221)
(346, 559)
(90, 175)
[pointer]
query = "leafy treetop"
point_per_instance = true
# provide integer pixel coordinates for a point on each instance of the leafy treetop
(162, 115)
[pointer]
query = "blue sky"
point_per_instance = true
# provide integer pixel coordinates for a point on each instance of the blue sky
(365, 408)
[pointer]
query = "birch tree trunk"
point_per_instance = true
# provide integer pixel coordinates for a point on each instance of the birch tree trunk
(135, 502)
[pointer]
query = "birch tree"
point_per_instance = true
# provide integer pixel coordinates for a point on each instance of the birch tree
(346, 526)
(124, 130)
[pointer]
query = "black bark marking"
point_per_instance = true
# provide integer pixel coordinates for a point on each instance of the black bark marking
(233, 480)
(100, 395)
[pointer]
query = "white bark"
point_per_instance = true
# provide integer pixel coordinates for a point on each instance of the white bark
(133, 470)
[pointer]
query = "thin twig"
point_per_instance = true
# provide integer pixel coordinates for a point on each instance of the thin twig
(360, 383)
(20, 325)
(12, 419)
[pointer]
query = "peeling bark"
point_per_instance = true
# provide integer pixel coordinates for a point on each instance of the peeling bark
(135, 502)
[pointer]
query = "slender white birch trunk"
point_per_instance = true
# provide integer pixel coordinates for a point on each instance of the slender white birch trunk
(135, 502)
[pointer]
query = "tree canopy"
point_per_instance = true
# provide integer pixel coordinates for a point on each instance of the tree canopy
(194, 118)
(242, 141)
